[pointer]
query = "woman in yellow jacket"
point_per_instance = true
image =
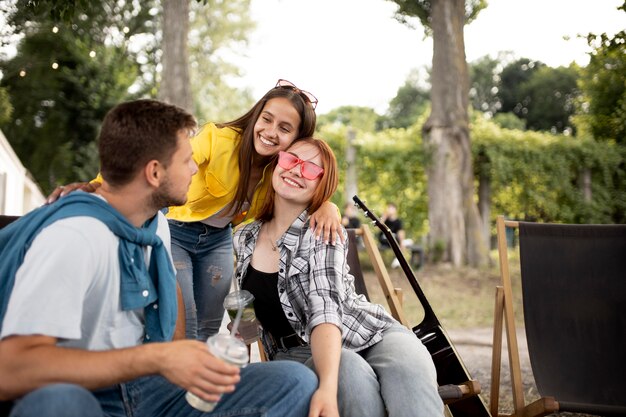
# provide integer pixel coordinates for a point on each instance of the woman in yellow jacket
(230, 187)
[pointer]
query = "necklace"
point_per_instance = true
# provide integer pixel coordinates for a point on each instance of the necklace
(269, 239)
(274, 247)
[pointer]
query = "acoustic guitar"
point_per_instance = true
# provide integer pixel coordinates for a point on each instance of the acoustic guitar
(450, 367)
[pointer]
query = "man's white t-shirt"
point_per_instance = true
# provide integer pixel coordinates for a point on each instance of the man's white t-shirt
(68, 287)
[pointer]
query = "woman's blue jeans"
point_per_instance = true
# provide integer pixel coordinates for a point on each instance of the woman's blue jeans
(277, 389)
(396, 377)
(204, 261)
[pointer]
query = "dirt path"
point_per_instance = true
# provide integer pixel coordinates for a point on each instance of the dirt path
(474, 345)
(475, 348)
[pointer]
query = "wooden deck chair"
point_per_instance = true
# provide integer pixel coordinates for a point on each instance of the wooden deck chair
(573, 284)
(452, 375)
(393, 295)
(5, 220)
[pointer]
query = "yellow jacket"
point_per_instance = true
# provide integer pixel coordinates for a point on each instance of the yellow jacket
(213, 187)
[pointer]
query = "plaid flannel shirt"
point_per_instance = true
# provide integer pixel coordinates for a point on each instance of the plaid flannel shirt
(315, 286)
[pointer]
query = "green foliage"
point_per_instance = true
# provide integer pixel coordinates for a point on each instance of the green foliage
(421, 9)
(63, 80)
(59, 10)
(537, 176)
(512, 77)
(542, 97)
(551, 94)
(362, 118)
(484, 81)
(509, 121)
(534, 175)
(603, 107)
(217, 26)
(6, 109)
(411, 101)
(389, 169)
(104, 53)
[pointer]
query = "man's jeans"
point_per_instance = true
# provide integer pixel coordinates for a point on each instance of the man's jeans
(395, 377)
(204, 261)
(277, 389)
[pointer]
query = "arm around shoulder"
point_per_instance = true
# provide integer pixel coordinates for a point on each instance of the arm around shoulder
(325, 222)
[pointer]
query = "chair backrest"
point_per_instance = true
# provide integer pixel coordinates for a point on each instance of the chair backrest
(574, 296)
(6, 220)
(573, 285)
(392, 295)
(355, 264)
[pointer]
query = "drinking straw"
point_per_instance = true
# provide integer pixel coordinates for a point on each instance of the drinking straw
(233, 331)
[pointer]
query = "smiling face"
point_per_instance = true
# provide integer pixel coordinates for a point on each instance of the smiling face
(277, 127)
(289, 184)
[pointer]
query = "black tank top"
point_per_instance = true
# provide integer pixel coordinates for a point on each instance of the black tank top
(267, 305)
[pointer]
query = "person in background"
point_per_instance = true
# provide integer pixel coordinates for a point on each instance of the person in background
(91, 337)
(391, 220)
(350, 220)
(229, 188)
(368, 364)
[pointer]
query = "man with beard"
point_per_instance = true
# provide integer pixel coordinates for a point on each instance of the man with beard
(88, 300)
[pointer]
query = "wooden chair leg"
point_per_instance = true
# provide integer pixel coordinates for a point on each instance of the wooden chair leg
(509, 317)
(496, 355)
(262, 354)
(400, 296)
(542, 407)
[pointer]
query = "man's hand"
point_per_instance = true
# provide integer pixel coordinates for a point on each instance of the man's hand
(63, 190)
(188, 364)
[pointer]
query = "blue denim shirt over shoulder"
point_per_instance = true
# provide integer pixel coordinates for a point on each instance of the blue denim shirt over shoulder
(159, 279)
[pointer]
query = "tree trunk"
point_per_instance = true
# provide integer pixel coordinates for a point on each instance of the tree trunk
(453, 214)
(175, 83)
(351, 178)
(484, 205)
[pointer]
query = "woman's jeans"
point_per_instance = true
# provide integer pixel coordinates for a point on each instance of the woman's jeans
(204, 261)
(277, 389)
(396, 377)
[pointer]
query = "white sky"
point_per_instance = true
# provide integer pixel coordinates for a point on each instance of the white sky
(352, 52)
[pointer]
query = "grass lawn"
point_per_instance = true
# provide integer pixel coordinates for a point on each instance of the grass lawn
(461, 297)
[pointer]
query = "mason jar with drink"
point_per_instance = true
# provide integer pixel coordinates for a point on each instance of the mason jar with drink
(249, 325)
(228, 347)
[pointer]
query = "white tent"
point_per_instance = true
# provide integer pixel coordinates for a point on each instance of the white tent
(19, 193)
